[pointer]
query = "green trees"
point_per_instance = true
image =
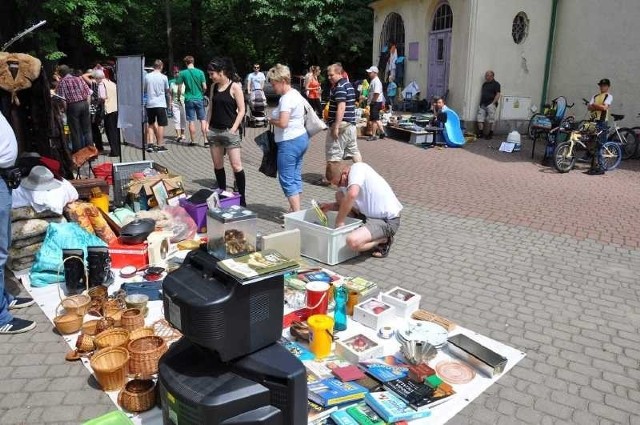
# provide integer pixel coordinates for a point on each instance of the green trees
(296, 32)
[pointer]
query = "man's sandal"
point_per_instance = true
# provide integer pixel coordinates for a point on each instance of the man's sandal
(382, 250)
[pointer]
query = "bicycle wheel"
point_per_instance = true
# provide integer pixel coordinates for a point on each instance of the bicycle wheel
(628, 142)
(563, 157)
(611, 154)
(531, 130)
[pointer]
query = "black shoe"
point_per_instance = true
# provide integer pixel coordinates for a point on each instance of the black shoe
(489, 136)
(207, 144)
(20, 302)
(382, 135)
(17, 326)
(191, 144)
(596, 172)
(150, 148)
(161, 149)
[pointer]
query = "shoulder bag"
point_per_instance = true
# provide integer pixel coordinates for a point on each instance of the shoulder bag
(312, 123)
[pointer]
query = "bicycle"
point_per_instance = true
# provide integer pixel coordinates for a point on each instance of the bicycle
(636, 131)
(623, 135)
(609, 153)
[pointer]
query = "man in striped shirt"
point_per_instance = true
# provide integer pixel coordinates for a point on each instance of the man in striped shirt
(342, 137)
(76, 95)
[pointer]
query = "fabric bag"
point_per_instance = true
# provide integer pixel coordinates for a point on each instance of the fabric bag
(312, 123)
(267, 142)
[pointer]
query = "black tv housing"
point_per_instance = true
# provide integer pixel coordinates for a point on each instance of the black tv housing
(229, 317)
(268, 387)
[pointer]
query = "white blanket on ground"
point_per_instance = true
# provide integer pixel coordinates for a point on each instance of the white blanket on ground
(48, 299)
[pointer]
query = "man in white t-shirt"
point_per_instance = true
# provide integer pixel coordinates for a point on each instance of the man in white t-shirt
(156, 86)
(375, 101)
(256, 79)
(366, 194)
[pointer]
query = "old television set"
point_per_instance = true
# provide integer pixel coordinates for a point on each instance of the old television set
(231, 318)
(268, 387)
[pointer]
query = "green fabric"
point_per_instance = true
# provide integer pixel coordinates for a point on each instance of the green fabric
(192, 79)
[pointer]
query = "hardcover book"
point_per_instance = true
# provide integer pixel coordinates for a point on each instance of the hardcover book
(341, 417)
(364, 415)
(419, 395)
(317, 413)
(392, 408)
(323, 368)
(385, 368)
(256, 264)
(331, 392)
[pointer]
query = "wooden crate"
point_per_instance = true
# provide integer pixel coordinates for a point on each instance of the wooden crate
(84, 186)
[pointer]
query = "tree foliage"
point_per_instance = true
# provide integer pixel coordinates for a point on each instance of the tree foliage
(296, 32)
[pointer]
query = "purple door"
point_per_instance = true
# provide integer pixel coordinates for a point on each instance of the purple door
(439, 55)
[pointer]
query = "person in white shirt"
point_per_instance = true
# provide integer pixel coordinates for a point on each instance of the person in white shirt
(364, 193)
(8, 154)
(256, 79)
(290, 134)
(375, 101)
(156, 86)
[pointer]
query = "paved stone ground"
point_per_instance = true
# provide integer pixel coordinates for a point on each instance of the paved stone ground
(544, 262)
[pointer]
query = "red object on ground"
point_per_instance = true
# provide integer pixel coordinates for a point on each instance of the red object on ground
(104, 171)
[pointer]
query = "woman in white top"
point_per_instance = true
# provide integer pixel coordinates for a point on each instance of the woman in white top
(290, 134)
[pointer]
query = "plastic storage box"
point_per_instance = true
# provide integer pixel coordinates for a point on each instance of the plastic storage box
(325, 244)
(198, 212)
(374, 313)
(231, 232)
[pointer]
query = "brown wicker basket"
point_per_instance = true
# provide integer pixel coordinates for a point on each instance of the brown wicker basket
(110, 367)
(113, 305)
(98, 293)
(138, 395)
(116, 315)
(132, 318)
(104, 324)
(140, 332)
(90, 327)
(144, 354)
(85, 343)
(115, 337)
(68, 323)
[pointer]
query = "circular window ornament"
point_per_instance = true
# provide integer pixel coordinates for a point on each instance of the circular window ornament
(520, 28)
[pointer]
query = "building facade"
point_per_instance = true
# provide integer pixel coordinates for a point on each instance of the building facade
(538, 50)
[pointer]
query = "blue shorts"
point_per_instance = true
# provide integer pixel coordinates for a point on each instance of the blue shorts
(290, 154)
(193, 109)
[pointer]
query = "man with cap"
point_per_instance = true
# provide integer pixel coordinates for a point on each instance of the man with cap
(8, 152)
(375, 101)
(599, 108)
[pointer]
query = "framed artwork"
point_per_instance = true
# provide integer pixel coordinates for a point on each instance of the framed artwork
(160, 193)
(414, 51)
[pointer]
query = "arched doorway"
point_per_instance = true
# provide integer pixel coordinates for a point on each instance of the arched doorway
(439, 53)
(392, 32)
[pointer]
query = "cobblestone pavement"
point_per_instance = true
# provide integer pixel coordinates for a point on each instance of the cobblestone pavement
(544, 262)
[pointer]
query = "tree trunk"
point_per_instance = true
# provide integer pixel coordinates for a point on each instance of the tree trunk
(196, 29)
(167, 5)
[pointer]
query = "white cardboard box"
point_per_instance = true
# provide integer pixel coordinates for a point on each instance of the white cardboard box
(404, 300)
(374, 313)
(359, 348)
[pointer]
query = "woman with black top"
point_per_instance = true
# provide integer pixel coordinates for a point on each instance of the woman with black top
(225, 116)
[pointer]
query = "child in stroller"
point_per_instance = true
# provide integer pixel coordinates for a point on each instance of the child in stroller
(256, 112)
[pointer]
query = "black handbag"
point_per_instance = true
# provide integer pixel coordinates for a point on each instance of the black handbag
(267, 142)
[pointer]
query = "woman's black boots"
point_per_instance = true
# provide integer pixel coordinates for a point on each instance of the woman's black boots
(99, 266)
(74, 275)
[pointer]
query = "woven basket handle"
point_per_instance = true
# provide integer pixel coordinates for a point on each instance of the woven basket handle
(86, 275)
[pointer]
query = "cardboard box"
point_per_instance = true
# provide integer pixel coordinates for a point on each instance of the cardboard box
(405, 301)
(128, 255)
(374, 313)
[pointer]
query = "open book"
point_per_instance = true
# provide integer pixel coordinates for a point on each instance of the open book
(256, 264)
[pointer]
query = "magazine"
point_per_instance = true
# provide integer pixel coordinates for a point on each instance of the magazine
(256, 264)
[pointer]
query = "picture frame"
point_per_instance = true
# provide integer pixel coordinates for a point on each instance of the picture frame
(160, 193)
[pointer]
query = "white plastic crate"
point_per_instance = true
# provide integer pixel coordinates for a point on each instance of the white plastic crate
(325, 244)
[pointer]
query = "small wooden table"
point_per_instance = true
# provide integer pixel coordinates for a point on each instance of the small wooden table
(424, 136)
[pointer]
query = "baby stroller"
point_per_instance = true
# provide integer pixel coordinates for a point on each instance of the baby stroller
(256, 112)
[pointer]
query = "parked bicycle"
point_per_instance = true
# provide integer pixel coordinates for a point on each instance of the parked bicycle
(636, 131)
(608, 154)
(623, 135)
